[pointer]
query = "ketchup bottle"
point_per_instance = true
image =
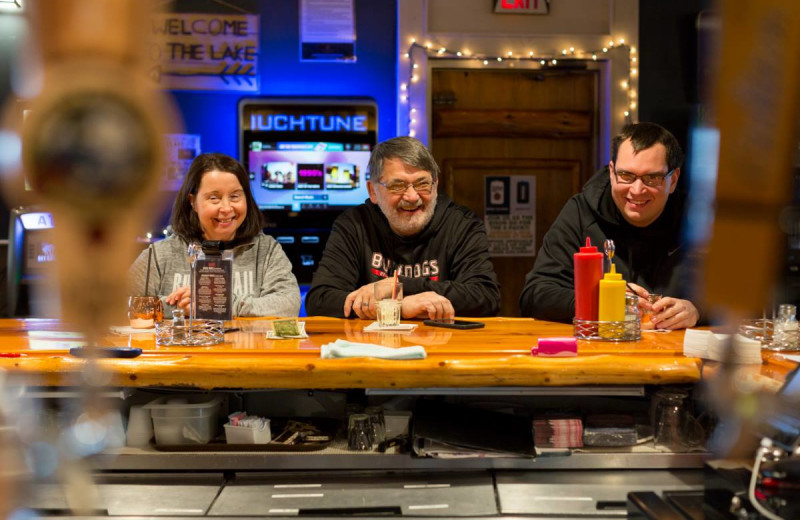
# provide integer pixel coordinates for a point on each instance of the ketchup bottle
(588, 273)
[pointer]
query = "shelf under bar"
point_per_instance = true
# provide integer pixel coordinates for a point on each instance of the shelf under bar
(607, 390)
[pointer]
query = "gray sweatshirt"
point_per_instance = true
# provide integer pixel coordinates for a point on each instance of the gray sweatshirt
(263, 283)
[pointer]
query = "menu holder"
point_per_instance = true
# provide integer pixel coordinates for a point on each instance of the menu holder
(200, 333)
(763, 330)
(212, 272)
(628, 330)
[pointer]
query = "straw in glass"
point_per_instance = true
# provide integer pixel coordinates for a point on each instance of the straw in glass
(147, 273)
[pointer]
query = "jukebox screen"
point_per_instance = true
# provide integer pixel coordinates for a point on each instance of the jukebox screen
(307, 156)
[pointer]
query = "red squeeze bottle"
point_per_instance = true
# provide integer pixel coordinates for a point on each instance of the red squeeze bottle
(588, 273)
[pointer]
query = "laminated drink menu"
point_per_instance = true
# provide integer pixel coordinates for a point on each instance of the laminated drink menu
(211, 285)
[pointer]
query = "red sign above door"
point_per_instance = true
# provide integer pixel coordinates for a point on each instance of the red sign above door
(522, 6)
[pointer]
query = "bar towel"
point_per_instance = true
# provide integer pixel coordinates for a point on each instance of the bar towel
(347, 349)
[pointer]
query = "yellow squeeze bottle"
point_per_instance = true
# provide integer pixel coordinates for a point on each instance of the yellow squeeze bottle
(612, 304)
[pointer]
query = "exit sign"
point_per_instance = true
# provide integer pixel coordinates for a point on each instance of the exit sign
(521, 6)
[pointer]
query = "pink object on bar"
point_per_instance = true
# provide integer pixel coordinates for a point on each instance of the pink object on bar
(556, 347)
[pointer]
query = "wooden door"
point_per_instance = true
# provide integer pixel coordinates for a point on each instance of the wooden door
(515, 122)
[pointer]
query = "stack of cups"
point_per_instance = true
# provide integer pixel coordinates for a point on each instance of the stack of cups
(140, 426)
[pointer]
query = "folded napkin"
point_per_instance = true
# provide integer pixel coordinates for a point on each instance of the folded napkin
(707, 345)
(347, 349)
(375, 327)
(558, 432)
(124, 330)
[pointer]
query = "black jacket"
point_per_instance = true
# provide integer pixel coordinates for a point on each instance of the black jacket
(654, 257)
(450, 257)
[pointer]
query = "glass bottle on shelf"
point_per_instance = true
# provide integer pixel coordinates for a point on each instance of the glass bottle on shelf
(786, 331)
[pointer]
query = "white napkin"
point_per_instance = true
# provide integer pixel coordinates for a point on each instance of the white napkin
(124, 330)
(406, 327)
(707, 345)
(348, 349)
(695, 343)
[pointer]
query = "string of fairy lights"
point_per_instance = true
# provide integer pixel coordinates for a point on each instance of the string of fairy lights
(511, 58)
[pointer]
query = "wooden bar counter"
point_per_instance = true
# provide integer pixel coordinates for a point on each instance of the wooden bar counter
(495, 356)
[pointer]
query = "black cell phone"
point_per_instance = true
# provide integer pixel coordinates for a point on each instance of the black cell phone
(455, 324)
(106, 352)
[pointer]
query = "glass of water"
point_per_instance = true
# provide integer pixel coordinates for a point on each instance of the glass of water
(388, 302)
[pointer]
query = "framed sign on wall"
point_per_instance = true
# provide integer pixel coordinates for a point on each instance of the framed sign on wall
(206, 51)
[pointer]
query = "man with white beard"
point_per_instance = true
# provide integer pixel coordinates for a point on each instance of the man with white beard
(437, 248)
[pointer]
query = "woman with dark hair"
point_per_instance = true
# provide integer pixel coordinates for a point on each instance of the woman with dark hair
(215, 204)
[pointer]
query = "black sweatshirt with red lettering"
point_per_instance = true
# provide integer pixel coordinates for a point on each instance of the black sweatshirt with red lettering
(450, 256)
(655, 257)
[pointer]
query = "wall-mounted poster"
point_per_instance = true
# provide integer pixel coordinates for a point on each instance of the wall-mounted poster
(327, 30)
(206, 51)
(180, 151)
(510, 215)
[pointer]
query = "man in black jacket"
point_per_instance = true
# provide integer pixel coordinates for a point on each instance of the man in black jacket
(633, 202)
(438, 249)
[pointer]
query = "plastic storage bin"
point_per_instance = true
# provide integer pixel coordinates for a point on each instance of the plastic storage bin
(248, 435)
(191, 419)
(397, 422)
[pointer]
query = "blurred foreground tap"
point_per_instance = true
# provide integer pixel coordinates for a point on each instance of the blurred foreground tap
(758, 137)
(91, 152)
(92, 147)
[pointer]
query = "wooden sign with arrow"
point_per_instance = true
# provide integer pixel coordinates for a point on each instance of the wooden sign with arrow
(206, 51)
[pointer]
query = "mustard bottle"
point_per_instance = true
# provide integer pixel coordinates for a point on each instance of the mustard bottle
(612, 305)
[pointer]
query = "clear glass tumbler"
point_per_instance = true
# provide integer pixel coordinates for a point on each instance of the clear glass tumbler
(359, 432)
(648, 312)
(377, 425)
(145, 311)
(388, 302)
(670, 420)
(785, 331)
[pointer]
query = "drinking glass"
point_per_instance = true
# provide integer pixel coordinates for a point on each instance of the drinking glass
(648, 311)
(350, 409)
(358, 432)
(377, 425)
(388, 302)
(145, 311)
(785, 330)
(670, 420)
